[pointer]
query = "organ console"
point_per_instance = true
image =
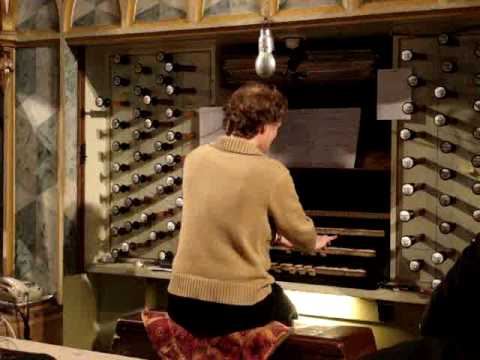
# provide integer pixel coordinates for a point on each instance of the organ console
(449, 67)
(117, 210)
(476, 215)
(140, 178)
(146, 205)
(446, 200)
(118, 124)
(140, 156)
(141, 135)
(447, 147)
(415, 81)
(174, 67)
(120, 81)
(140, 113)
(179, 202)
(133, 201)
(407, 215)
(446, 174)
(173, 180)
(439, 257)
(440, 92)
(139, 68)
(172, 113)
(147, 217)
(176, 90)
(476, 105)
(155, 124)
(446, 227)
(117, 167)
(173, 136)
(410, 188)
(117, 188)
(475, 160)
(102, 102)
(173, 226)
(416, 265)
(162, 168)
(408, 108)
(409, 162)
(153, 100)
(162, 146)
(164, 57)
(407, 55)
(164, 80)
(173, 159)
(440, 120)
(117, 146)
(409, 240)
(476, 133)
(121, 59)
(407, 134)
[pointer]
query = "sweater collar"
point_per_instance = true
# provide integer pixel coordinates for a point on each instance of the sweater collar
(236, 145)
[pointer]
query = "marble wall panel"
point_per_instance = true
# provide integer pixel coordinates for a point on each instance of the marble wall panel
(158, 10)
(304, 4)
(96, 12)
(230, 7)
(36, 193)
(72, 247)
(37, 15)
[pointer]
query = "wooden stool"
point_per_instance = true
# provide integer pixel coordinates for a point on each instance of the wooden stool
(312, 343)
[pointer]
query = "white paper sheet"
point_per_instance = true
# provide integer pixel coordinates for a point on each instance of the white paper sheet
(318, 138)
(210, 123)
(308, 137)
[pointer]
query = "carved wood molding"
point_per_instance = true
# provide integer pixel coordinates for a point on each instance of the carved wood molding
(6, 67)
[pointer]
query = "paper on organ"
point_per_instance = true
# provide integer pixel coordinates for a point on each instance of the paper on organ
(308, 138)
(318, 138)
(210, 124)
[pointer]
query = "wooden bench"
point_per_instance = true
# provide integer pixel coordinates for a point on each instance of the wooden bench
(309, 343)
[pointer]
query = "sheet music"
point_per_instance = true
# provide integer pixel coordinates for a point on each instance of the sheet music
(210, 124)
(308, 137)
(318, 138)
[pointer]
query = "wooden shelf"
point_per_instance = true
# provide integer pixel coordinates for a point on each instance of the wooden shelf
(348, 214)
(351, 232)
(379, 294)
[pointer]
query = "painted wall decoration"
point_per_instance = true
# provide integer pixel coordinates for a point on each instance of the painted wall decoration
(302, 4)
(37, 79)
(228, 7)
(96, 12)
(71, 244)
(37, 15)
(157, 10)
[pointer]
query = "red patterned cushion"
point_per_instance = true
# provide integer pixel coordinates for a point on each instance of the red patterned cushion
(171, 341)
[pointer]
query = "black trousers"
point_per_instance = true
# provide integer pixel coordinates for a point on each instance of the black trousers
(208, 319)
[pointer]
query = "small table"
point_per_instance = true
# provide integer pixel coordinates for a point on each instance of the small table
(58, 352)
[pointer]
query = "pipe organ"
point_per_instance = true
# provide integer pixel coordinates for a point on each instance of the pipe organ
(436, 157)
(403, 225)
(140, 122)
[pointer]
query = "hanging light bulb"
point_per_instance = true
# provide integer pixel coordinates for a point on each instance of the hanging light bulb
(265, 63)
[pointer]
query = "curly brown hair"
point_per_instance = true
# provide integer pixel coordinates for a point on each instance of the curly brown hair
(251, 107)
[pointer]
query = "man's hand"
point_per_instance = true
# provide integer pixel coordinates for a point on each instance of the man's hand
(323, 241)
(282, 241)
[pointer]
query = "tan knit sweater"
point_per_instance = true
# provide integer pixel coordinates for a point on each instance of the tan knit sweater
(230, 189)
